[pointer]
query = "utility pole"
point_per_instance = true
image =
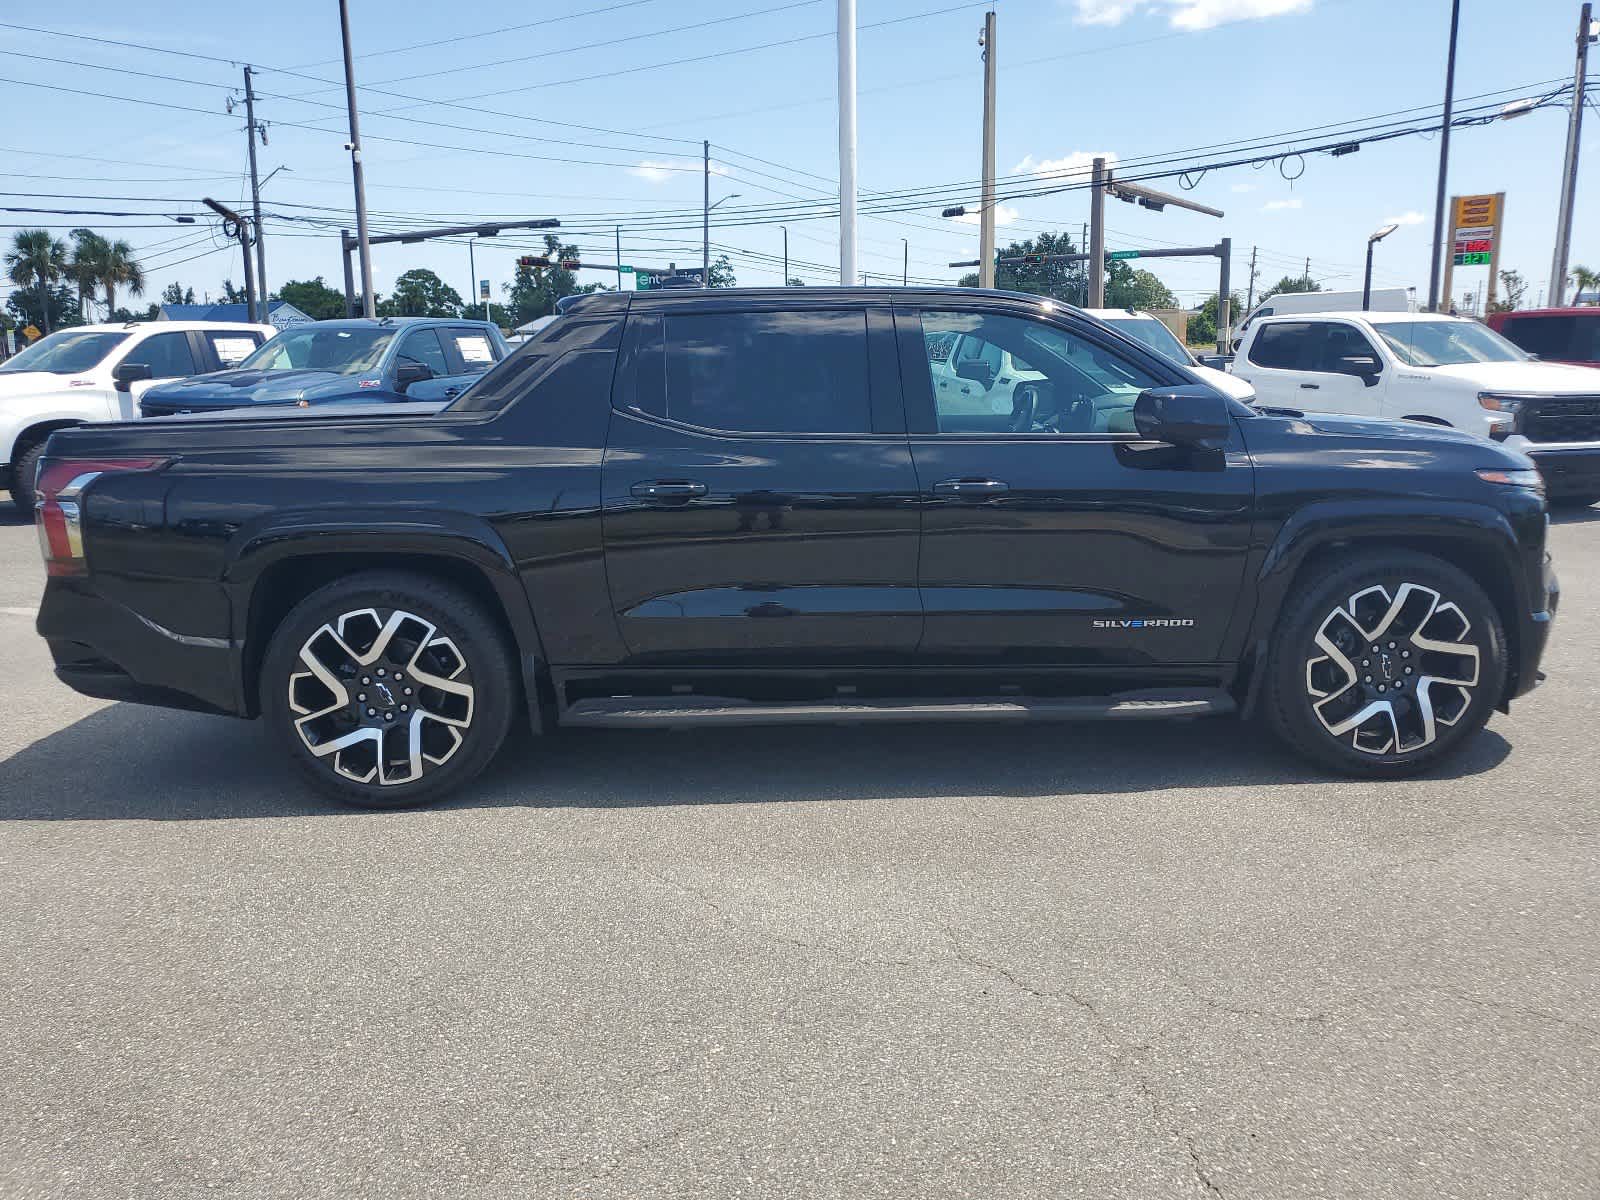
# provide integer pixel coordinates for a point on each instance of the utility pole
(1569, 174)
(705, 218)
(1307, 275)
(1439, 248)
(986, 212)
(785, 229)
(349, 279)
(368, 307)
(846, 37)
(1083, 248)
(1224, 304)
(241, 230)
(251, 130)
(905, 263)
(619, 258)
(1250, 296)
(1097, 236)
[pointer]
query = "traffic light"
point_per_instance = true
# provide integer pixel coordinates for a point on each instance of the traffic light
(533, 260)
(570, 264)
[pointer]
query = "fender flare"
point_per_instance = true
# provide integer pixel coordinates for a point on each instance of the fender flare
(286, 535)
(1319, 526)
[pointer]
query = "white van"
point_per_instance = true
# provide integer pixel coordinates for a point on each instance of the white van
(1397, 299)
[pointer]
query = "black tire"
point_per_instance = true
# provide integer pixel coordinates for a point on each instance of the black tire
(417, 733)
(1413, 679)
(23, 473)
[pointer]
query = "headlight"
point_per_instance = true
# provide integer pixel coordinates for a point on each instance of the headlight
(1522, 479)
(1498, 403)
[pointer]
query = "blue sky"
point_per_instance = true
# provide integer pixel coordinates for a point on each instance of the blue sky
(1128, 78)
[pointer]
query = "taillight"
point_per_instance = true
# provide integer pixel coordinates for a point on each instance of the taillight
(58, 492)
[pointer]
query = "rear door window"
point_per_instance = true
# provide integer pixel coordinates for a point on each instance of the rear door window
(232, 348)
(1287, 346)
(474, 348)
(766, 372)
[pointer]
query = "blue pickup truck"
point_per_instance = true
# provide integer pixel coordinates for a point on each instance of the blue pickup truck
(387, 359)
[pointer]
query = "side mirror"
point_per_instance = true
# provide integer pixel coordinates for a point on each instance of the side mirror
(1191, 415)
(124, 375)
(1362, 365)
(408, 373)
(976, 370)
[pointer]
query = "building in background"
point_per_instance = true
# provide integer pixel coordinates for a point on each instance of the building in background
(280, 313)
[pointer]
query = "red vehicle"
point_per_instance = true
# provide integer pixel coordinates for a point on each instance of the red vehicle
(1567, 335)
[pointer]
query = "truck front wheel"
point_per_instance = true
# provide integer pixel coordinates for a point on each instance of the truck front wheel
(388, 688)
(1385, 664)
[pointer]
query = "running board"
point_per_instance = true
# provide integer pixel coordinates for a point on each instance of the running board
(668, 712)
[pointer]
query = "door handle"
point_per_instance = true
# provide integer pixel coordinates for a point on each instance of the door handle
(668, 490)
(970, 489)
(452, 391)
(1311, 387)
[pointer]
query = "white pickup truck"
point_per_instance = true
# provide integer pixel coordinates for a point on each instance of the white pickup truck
(91, 373)
(1435, 369)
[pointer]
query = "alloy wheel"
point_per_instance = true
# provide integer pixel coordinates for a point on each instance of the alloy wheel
(383, 696)
(1393, 668)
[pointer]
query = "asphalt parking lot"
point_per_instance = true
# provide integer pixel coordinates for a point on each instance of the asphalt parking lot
(983, 962)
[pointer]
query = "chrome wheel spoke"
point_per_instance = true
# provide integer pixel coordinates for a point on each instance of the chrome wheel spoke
(383, 697)
(1391, 668)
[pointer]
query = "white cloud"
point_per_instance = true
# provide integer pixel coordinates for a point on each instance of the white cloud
(1409, 217)
(1004, 214)
(1187, 14)
(1243, 187)
(1079, 162)
(659, 172)
(1280, 205)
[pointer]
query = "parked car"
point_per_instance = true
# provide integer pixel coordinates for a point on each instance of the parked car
(1149, 329)
(97, 373)
(1567, 335)
(418, 358)
(693, 507)
(1439, 370)
(1397, 299)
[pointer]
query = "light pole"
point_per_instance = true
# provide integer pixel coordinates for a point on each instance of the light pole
(785, 229)
(368, 306)
(1366, 285)
(1587, 31)
(905, 262)
(705, 252)
(1444, 160)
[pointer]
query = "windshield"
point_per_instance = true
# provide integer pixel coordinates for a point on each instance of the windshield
(342, 351)
(1446, 343)
(1155, 335)
(66, 353)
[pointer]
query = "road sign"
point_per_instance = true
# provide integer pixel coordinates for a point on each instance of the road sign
(1474, 258)
(1123, 254)
(483, 289)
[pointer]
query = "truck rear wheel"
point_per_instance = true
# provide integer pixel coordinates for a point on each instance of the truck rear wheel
(1385, 664)
(389, 689)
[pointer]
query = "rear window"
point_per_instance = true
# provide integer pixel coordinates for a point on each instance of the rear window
(767, 372)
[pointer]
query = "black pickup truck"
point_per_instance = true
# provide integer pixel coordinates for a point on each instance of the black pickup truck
(730, 507)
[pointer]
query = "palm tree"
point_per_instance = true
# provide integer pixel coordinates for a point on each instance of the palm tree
(119, 268)
(37, 260)
(89, 253)
(1584, 280)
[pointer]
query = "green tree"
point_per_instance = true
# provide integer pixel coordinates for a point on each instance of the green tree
(533, 291)
(233, 295)
(795, 281)
(313, 297)
(37, 261)
(55, 309)
(1203, 324)
(1291, 283)
(176, 293)
(421, 293)
(1058, 280)
(1513, 287)
(722, 273)
(89, 254)
(1127, 288)
(1584, 280)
